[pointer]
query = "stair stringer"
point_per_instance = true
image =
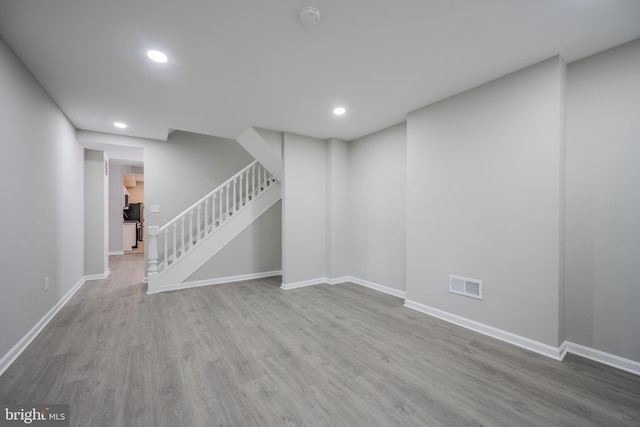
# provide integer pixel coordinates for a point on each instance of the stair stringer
(202, 252)
(260, 149)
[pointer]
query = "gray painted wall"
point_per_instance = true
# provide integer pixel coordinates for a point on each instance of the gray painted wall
(257, 249)
(96, 226)
(484, 200)
(376, 208)
(603, 202)
(304, 209)
(41, 170)
(59, 135)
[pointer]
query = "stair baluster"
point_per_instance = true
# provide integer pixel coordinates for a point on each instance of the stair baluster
(182, 237)
(227, 211)
(198, 223)
(233, 207)
(220, 211)
(253, 181)
(175, 231)
(213, 211)
(264, 180)
(206, 217)
(190, 230)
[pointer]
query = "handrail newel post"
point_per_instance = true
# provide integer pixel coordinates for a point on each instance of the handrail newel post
(152, 253)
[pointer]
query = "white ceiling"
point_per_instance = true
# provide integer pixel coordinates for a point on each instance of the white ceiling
(235, 64)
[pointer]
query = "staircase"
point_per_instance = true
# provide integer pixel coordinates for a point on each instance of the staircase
(177, 249)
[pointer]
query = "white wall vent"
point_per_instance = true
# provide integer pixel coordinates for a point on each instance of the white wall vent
(465, 286)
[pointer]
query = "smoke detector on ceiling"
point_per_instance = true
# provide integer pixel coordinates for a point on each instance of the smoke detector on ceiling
(309, 16)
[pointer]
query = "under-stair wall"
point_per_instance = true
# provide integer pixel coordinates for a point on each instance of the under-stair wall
(181, 246)
(255, 252)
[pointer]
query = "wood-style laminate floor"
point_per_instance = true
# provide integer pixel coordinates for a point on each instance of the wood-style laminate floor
(251, 354)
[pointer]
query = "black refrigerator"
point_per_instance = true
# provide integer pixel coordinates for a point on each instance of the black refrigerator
(136, 213)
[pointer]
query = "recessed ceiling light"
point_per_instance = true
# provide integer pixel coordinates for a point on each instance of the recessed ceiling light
(339, 111)
(157, 56)
(120, 125)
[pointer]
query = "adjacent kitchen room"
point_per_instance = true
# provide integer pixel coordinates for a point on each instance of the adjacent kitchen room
(133, 209)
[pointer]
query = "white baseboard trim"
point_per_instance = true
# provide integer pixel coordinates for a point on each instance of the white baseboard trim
(344, 279)
(562, 350)
(116, 253)
(98, 276)
(310, 282)
(218, 281)
(21, 346)
(608, 359)
(380, 288)
(559, 353)
(526, 343)
(338, 280)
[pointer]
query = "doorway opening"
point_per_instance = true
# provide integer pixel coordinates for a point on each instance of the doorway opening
(133, 210)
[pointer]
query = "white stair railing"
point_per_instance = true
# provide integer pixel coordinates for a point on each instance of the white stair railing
(174, 240)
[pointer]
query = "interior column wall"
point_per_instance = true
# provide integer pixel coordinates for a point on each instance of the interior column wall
(304, 209)
(338, 256)
(603, 202)
(115, 208)
(96, 226)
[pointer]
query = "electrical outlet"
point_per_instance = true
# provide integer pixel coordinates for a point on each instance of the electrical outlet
(46, 283)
